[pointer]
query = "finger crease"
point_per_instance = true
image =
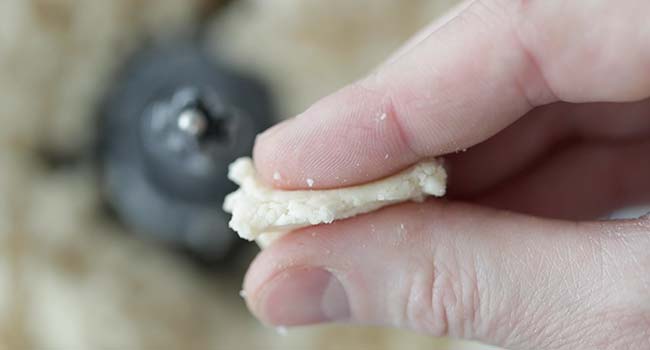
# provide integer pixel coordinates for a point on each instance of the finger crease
(396, 119)
(532, 63)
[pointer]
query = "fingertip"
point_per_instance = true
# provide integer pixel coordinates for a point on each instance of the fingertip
(290, 283)
(348, 138)
(266, 151)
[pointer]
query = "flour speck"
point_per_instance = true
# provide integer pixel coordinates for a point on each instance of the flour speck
(402, 235)
(310, 183)
(282, 330)
(277, 176)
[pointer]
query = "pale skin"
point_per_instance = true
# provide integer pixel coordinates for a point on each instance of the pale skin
(551, 99)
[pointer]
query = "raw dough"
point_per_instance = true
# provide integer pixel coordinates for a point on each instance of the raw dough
(262, 213)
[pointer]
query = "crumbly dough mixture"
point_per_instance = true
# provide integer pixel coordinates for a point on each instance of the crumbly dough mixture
(262, 213)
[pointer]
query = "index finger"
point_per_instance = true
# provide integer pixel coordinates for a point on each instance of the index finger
(468, 80)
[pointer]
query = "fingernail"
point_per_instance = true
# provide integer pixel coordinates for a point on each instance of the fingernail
(304, 296)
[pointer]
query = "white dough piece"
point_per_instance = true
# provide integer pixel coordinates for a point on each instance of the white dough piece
(262, 213)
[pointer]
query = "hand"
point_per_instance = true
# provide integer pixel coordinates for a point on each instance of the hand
(550, 99)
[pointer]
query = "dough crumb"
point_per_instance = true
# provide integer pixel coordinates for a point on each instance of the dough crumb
(242, 294)
(310, 183)
(277, 176)
(263, 213)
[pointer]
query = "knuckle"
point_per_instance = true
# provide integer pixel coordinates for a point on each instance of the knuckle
(443, 299)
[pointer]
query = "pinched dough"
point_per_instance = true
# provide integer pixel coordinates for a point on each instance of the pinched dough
(262, 213)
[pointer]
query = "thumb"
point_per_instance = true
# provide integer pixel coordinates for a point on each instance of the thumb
(457, 270)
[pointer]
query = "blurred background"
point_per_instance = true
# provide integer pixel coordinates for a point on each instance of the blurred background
(118, 120)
